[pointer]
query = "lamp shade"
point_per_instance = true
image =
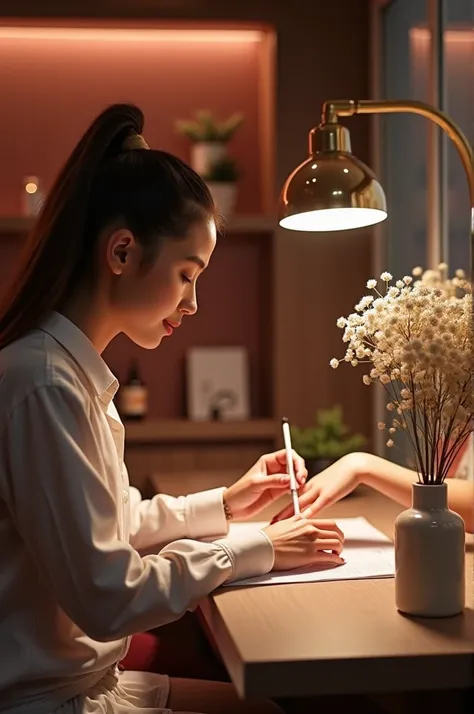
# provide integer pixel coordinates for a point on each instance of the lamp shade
(332, 190)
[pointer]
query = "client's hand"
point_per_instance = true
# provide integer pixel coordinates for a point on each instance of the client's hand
(266, 481)
(298, 542)
(329, 486)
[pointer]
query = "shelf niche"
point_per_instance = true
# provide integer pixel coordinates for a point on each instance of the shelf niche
(236, 66)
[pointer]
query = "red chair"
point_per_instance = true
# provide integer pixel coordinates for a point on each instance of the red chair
(179, 649)
(142, 654)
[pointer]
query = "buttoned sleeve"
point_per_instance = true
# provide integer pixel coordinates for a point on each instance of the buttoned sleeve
(65, 507)
(163, 518)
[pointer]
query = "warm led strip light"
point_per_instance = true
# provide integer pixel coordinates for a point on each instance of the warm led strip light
(107, 34)
(419, 33)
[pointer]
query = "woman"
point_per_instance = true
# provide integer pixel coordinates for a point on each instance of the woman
(121, 241)
(394, 481)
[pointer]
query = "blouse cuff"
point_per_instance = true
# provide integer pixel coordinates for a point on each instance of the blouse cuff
(204, 513)
(250, 553)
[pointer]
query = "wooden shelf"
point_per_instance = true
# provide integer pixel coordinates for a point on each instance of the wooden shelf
(19, 225)
(183, 430)
(11, 225)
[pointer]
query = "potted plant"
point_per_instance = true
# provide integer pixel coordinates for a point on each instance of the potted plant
(417, 337)
(325, 442)
(222, 178)
(209, 137)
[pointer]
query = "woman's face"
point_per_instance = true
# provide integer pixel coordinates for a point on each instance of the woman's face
(149, 304)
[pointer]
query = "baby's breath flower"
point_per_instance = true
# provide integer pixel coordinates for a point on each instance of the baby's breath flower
(460, 274)
(334, 363)
(390, 443)
(341, 322)
(386, 277)
(381, 425)
(409, 357)
(443, 266)
(417, 339)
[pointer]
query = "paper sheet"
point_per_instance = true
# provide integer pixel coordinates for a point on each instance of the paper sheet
(368, 554)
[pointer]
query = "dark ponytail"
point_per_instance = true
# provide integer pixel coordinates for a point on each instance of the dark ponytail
(155, 194)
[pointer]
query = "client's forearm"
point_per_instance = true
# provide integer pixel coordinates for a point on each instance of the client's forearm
(395, 482)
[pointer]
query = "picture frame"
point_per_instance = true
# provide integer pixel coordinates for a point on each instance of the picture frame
(217, 384)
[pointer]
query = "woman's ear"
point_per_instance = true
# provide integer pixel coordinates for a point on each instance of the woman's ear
(121, 248)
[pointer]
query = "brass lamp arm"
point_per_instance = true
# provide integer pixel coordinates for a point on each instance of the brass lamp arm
(343, 107)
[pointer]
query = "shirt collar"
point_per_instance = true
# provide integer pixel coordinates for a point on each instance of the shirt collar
(84, 353)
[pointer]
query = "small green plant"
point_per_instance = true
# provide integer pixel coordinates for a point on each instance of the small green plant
(206, 128)
(328, 439)
(223, 171)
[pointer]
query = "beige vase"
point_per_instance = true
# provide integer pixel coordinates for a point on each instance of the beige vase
(224, 195)
(429, 556)
(204, 154)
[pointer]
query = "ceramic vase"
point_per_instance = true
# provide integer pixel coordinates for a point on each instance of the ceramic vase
(429, 555)
(204, 154)
(224, 195)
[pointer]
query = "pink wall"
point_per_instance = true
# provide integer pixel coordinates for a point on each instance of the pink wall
(52, 88)
(234, 309)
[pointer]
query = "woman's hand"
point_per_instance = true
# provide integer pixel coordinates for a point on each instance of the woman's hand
(299, 541)
(329, 486)
(266, 481)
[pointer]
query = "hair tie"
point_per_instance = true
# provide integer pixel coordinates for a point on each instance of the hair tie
(134, 141)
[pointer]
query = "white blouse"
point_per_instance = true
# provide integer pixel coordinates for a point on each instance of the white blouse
(73, 585)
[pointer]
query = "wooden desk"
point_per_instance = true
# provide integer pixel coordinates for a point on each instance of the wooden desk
(340, 637)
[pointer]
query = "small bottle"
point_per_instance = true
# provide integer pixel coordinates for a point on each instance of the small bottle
(133, 395)
(32, 196)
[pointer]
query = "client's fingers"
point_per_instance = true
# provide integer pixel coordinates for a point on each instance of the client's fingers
(304, 501)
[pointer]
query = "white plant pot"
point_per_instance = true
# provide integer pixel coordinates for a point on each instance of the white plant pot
(429, 556)
(224, 195)
(205, 154)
